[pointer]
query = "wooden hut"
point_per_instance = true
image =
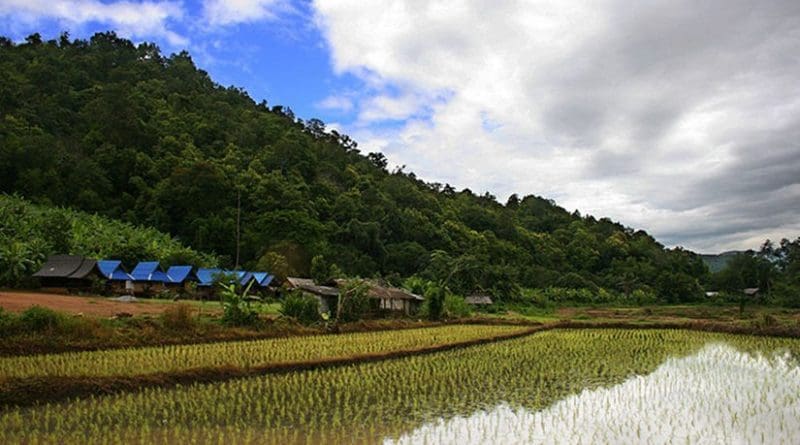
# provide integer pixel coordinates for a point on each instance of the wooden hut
(179, 278)
(262, 282)
(149, 277)
(117, 280)
(206, 280)
(394, 299)
(328, 296)
(62, 273)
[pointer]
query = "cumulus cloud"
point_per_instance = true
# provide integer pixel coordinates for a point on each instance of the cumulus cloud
(678, 117)
(129, 18)
(230, 12)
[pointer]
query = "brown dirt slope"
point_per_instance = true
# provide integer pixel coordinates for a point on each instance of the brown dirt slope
(18, 301)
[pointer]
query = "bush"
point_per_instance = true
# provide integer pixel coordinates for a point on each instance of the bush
(456, 307)
(642, 297)
(236, 310)
(7, 323)
(39, 319)
(434, 299)
(178, 317)
(302, 307)
(354, 302)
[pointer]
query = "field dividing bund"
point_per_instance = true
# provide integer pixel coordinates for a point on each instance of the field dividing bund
(53, 377)
(388, 399)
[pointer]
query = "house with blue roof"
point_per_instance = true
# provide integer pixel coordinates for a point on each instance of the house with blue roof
(116, 278)
(112, 270)
(148, 276)
(180, 277)
(261, 281)
(206, 277)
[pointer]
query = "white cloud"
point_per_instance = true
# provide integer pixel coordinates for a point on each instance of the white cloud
(386, 107)
(338, 103)
(230, 12)
(675, 117)
(148, 18)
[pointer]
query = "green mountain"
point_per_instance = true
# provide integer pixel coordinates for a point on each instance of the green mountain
(121, 130)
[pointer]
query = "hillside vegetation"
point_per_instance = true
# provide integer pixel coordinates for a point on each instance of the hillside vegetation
(123, 131)
(28, 233)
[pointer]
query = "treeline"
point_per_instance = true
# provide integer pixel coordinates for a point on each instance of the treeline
(124, 131)
(774, 269)
(29, 233)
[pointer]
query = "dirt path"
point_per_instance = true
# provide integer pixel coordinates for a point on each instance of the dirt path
(18, 301)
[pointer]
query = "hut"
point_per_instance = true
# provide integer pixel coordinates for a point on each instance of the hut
(206, 279)
(68, 272)
(394, 299)
(262, 280)
(328, 296)
(117, 280)
(260, 283)
(479, 300)
(148, 276)
(180, 278)
(751, 292)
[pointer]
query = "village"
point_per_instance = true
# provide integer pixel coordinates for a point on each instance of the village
(72, 274)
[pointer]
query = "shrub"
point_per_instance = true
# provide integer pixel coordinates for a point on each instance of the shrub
(455, 306)
(434, 299)
(39, 319)
(7, 323)
(353, 301)
(236, 310)
(642, 297)
(178, 317)
(302, 307)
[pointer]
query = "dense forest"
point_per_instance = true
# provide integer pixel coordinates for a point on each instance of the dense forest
(125, 132)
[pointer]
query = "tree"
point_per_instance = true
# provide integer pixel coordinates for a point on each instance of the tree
(435, 299)
(353, 301)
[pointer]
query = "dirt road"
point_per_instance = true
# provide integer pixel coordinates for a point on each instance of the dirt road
(18, 301)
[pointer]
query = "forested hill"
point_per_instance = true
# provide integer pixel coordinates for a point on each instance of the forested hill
(109, 127)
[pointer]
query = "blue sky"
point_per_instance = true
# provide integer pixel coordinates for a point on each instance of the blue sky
(678, 117)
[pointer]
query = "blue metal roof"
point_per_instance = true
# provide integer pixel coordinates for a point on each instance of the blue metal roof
(245, 278)
(112, 270)
(149, 271)
(206, 276)
(179, 274)
(262, 278)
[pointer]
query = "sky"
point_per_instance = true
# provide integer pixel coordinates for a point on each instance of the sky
(678, 117)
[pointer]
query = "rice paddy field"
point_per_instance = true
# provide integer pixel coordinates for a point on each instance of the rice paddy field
(558, 386)
(243, 354)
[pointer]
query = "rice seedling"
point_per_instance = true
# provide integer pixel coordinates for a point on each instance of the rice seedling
(244, 354)
(373, 402)
(720, 395)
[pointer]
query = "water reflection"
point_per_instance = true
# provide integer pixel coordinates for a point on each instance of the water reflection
(719, 395)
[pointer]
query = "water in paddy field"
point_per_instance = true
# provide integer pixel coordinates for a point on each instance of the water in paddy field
(717, 396)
